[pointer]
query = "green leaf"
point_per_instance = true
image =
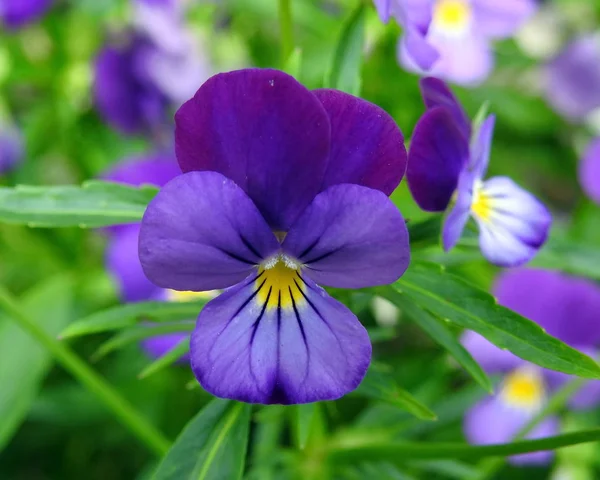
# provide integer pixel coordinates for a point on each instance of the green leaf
(167, 359)
(425, 233)
(23, 362)
(345, 70)
(570, 257)
(438, 331)
(123, 316)
(94, 204)
(380, 385)
(304, 416)
(448, 296)
(293, 64)
(212, 446)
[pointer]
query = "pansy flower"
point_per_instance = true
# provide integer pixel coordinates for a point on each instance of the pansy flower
(19, 13)
(11, 147)
(589, 171)
(567, 308)
(284, 189)
(451, 39)
(447, 162)
(155, 66)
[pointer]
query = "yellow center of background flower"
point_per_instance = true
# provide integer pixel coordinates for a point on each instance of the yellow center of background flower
(523, 388)
(452, 16)
(280, 284)
(481, 206)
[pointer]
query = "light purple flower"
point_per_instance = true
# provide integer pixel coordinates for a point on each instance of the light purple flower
(572, 78)
(19, 13)
(567, 308)
(11, 147)
(589, 171)
(285, 188)
(451, 39)
(447, 162)
(157, 67)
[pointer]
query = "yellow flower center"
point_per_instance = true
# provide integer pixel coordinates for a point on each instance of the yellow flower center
(280, 284)
(452, 17)
(187, 296)
(523, 388)
(481, 206)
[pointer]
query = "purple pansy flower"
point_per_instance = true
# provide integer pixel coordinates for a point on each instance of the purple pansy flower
(158, 66)
(572, 78)
(11, 147)
(451, 39)
(447, 161)
(18, 13)
(284, 189)
(566, 307)
(589, 171)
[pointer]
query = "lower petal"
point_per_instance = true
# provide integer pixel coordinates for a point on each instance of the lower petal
(514, 224)
(278, 338)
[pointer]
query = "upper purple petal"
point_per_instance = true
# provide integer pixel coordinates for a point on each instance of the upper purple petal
(589, 171)
(438, 153)
(264, 131)
(155, 169)
(202, 232)
(306, 348)
(367, 147)
(436, 93)
(572, 78)
(350, 237)
(18, 13)
(481, 146)
(566, 307)
(502, 18)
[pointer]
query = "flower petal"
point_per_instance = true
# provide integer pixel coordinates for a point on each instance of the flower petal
(491, 358)
(264, 131)
(502, 18)
(281, 345)
(437, 94)
(155, 169)
(513, 223)
(491, 421)
(438, 152)
(589, 171)
(415, 47)
(160, 345)
(350, 237)
(457, 218)
(202, 232)
(481, 146)
(18, 13)
(367, 147)
(383, 8)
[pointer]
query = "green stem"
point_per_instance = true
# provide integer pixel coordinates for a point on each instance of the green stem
(287, 32)
(122, 409)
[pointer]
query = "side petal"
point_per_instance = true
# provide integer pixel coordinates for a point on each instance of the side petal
(481, 146)
(263, 130)
(491, 422)
(417, 51)
(350, 237)
(367, 147)
(501, 19)
(513, 223)
(264, 341)
(202, 232)
(589, 171)
(383, 8)
(438, 153)
(154, 169)
(436, 93)
(455, 221)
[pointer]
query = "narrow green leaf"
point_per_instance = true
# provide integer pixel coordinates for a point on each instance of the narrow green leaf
(401, 452)
(438, 331)
(345, 70)
(212, 446)
(167, 359)
(23, 362)
(94, 204)
(380, 385)
(122, 316)
(304, 416)
(450, 297)
(293, 64)
(425, 233)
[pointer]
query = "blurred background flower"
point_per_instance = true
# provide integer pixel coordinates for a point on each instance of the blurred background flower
(18, 13)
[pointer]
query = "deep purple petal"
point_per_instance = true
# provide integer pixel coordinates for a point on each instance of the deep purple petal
(572, 78)
(154, 169)
(589, 171)
(502, 18)
(202, 232)
(481, 146)
(263, 130)
(160, 345)
(123, 263)
(350, 237)
(11, 147)
(566, 307)
(437, 94)
(491, 358)
(18, 13)
(438, 153)
(513, 223)
(492, 422)
(367, 147)
(311, 348)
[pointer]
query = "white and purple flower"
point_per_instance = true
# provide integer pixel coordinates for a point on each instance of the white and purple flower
(567, 308)
(452, 39)
(447, 163)
(283, 189)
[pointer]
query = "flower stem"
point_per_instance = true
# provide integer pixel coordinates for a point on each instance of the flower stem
(121, 408)
(287, 31)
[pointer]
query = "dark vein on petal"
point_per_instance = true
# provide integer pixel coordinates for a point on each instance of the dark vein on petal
(309, 248)
(324, 256)
(236, 257)
(262, 312)
(303, 333)
(250, 247)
